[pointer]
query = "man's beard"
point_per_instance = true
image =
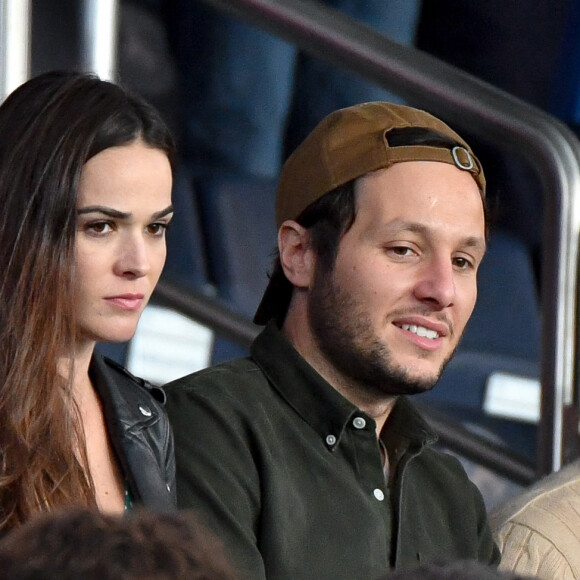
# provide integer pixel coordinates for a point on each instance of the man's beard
(343, 332)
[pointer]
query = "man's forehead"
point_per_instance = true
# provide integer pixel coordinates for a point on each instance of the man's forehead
(411, 168)
(422, 178)
(419, 188)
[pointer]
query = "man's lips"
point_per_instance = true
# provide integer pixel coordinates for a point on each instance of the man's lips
(425, 333)
(127, 301)
(424, 326)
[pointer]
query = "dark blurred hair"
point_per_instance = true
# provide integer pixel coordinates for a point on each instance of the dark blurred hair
(49, 127)
(87, 545)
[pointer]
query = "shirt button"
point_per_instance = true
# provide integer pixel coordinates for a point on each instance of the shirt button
(359, 423)
(330, 440)
(378, 493)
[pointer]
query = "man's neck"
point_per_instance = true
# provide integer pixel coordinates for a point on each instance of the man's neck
(377, 406)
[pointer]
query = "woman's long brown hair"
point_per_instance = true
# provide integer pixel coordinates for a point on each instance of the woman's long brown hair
(49, 127)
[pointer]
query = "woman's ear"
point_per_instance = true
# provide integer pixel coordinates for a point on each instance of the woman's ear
(296, 254)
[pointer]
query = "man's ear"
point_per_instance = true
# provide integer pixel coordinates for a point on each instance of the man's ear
(296, 254)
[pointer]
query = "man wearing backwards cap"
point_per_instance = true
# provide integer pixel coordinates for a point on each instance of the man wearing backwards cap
(307, 458)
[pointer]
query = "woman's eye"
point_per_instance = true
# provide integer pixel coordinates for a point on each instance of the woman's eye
(99, 228)
(157, 228)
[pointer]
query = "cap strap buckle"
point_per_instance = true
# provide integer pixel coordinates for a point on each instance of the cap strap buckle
(461, 164)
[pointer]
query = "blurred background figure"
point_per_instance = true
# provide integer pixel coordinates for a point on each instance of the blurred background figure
(85, 544)
(248, 96)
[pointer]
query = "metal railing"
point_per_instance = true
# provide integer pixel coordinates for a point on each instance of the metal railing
(15, 22)
(100, 24)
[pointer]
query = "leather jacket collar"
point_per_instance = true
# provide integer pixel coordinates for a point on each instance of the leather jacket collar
(139, 432)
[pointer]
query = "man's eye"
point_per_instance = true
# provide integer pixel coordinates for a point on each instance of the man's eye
(462, 263)
(401, 251)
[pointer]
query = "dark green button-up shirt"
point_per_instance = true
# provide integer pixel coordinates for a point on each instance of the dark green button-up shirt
(288, 473)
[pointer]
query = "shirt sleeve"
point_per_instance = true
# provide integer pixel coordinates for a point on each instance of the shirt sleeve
(528, 552)
(217, 476)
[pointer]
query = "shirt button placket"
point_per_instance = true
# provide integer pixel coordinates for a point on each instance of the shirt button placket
(360, 423)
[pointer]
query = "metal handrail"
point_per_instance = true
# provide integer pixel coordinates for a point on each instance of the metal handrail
(14, 44)
(494, 116)
(206, 310)
(100, 24)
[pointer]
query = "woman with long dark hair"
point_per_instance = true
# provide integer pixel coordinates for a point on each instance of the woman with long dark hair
(85, 198)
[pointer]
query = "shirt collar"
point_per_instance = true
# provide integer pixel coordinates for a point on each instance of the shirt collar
(322, 406)
(405, 430)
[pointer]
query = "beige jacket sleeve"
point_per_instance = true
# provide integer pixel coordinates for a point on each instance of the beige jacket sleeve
(538, 532)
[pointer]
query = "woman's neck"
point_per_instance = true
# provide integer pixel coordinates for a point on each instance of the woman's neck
(78, 365)
(102, 463)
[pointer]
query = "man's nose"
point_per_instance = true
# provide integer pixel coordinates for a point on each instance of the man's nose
(437, 283)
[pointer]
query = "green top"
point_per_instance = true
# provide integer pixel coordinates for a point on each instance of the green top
(288, 473)
(128, 497)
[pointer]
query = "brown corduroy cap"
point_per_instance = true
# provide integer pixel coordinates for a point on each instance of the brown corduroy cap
(348, 144)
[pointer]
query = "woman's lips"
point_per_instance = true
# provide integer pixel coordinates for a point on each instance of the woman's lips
(126, 301)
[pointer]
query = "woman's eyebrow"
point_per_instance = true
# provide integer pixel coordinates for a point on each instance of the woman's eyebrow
(114, 213)
(163, 212)
(108, 211)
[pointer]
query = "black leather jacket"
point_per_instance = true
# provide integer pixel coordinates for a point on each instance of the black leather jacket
(140, 432)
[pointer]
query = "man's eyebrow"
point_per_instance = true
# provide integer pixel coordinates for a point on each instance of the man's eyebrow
(477, 243)
(415, 227)
(114, 213)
